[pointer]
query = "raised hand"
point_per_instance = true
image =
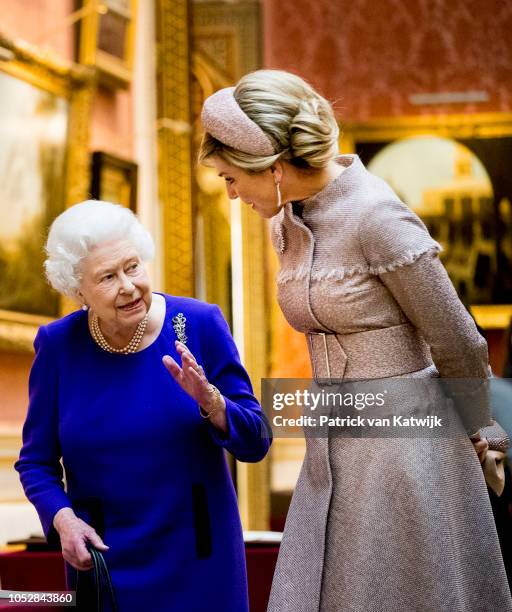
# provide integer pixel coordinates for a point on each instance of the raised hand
(191, 378)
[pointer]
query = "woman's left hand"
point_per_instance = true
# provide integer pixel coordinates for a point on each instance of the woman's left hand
(191, 378)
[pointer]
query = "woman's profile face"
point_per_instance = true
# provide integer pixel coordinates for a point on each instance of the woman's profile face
(258, 190)
(115, 284)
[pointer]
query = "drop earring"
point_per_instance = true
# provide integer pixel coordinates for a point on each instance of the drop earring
(85, 307)
(281, 238)
(279, 198)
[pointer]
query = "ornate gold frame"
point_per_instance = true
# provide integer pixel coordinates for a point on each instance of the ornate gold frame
(75, 83)
(471, 125)
(175, 144)
(456, 126)
(112, 71)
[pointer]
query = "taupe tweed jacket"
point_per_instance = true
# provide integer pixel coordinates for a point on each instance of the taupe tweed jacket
(379, 525)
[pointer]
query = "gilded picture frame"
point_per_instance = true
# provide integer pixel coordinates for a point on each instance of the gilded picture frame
(483, 135)
(106, 38)
(114, 179)
(53, 92)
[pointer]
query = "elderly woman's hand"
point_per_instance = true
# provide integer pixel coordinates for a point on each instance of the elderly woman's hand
(74, 533)
(192, 379)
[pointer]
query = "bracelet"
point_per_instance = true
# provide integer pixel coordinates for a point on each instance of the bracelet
(215, 400)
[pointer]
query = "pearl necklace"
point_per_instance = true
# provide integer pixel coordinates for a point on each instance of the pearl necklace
(131, 347)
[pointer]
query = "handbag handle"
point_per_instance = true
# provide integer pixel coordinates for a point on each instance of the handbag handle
(102, 579)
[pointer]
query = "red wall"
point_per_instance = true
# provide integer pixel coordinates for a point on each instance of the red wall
(370, 55)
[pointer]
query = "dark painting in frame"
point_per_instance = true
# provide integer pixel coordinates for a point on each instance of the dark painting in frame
(114, 179)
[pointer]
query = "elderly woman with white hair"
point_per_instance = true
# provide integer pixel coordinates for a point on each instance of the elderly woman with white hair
(141, 437)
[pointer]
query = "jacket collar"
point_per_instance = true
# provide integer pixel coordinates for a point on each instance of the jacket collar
(339, 185)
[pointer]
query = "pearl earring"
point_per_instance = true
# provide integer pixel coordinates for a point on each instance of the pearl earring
(85, 307)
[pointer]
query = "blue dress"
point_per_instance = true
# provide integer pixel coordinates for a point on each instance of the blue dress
(141, 465)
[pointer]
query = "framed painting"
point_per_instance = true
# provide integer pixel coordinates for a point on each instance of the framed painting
(452, 171)
(43, 135)
(114, 179)
(105, 39)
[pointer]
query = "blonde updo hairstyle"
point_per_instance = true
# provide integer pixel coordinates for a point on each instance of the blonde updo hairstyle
(299, 122)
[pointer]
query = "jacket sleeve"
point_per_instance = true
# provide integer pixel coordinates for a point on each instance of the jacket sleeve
(405, 257)
(427, 297)
(392, 235)
(39, 466)
(249, 434)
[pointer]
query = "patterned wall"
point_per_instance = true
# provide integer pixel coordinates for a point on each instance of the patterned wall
(369, 56)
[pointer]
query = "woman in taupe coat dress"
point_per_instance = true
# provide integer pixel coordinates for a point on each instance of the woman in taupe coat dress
(375, 524)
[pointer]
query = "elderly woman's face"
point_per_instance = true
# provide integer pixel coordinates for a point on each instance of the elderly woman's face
(256, 189)
(115, 284)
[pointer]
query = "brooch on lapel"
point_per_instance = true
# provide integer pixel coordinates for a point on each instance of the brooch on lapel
(178, 322)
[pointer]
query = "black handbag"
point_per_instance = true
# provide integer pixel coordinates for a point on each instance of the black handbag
(102, 585)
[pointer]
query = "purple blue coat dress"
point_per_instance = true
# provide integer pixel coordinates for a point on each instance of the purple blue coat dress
(140, 463)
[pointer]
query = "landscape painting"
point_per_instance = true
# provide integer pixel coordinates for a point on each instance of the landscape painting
(33, 142)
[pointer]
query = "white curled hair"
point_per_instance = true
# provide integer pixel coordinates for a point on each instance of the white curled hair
(81, 228)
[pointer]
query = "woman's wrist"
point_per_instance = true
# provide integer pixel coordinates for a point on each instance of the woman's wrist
(214, 409)
(213, 404)
(63, 516)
